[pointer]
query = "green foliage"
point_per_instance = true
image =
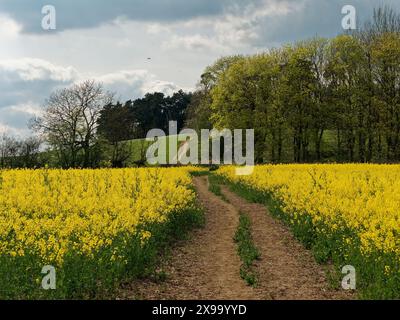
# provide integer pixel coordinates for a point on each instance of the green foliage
(214, 185)
(199, 113)
(154, 111)
(247, 251)
(314, 101)
(200, 173)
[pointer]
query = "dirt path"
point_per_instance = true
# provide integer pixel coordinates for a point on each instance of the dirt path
(286, 269)
(207, 265)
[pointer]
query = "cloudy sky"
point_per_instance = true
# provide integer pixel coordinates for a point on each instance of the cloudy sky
(139, 46)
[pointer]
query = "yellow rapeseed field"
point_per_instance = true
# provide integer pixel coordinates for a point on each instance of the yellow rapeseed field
(53, 211)
(352, 207)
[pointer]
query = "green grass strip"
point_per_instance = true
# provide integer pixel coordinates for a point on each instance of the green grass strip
(247, 251)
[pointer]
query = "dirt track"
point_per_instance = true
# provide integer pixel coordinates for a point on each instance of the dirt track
(207, 266)
(286, 269)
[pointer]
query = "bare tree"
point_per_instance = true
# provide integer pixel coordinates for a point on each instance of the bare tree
(3, 150)
(69, 121)
(384, 20)
(29, 150)
(9, 148)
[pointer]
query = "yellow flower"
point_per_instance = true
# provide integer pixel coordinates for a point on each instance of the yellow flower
(51, 212)
(144, 236)
(387, 270)
(360, 197)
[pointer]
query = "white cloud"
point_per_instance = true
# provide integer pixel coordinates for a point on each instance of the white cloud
(13, 131)
(28, 69)
(193, 42)
(243, 28)
(26, 84)
(9, 28)
(29, 108)
(14, 119)
(130, 84)
(157, 28)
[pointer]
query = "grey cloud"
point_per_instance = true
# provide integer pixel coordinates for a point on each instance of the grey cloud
(31, 79)
(91, 13)
(315, 18)
(16, 118)
(24, 84)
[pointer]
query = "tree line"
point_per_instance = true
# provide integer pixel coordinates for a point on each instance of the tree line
(20, 153)
(83, 127)
(314, 101)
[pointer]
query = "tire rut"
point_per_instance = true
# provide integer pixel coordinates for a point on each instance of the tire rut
(286, 270)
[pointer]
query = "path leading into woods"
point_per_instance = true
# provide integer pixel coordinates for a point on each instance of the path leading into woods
(207, 265)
